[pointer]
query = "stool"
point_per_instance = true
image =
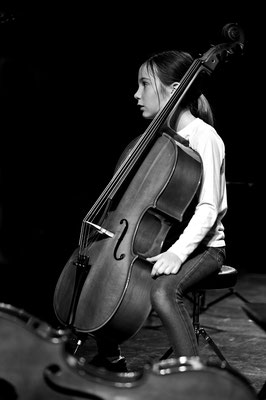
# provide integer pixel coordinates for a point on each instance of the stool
(225, 279)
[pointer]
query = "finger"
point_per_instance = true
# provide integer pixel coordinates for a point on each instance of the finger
(155, 269)
(168, 271)
(152, 259)
(159, 268)
(173, 270)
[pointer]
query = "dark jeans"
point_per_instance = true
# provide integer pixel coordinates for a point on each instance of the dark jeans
(167, 297)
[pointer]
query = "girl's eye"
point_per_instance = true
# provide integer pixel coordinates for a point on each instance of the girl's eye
(144, 83)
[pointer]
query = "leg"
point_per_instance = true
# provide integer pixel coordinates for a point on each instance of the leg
(109, 355)
(167, 298)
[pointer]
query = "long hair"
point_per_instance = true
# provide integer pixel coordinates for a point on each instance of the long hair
(170, 66)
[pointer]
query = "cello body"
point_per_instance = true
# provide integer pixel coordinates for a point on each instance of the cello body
(114, 295)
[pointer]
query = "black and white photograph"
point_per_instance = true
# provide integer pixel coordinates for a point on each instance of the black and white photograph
(131, 205)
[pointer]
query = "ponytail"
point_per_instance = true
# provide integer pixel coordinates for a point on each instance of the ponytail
(201, 108)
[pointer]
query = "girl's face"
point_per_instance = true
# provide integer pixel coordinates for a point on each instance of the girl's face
(151, 95)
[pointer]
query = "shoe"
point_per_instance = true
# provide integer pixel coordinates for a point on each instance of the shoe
(118, 365)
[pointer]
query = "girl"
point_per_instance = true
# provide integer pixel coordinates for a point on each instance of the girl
(200, 249)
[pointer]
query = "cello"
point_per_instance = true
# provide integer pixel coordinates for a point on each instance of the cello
(105, 285)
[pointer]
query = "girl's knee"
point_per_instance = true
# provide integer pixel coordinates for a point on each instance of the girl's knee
(162, 294)
(157, 295)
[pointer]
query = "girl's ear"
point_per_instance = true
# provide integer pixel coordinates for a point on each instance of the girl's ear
(174, 85)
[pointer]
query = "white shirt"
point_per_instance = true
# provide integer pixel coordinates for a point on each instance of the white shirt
(205, 226)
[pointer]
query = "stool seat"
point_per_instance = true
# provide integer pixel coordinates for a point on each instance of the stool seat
(226, 278)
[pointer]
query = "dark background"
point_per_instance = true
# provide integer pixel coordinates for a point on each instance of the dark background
(68, 74)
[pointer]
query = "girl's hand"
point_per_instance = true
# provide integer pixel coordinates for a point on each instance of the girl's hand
(165, 263)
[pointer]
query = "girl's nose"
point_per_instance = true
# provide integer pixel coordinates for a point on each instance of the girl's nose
(136, 95)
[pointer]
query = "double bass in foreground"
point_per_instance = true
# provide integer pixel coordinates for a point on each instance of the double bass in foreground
(35, 364)
(105, 285)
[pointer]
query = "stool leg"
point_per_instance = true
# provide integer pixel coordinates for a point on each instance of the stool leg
(213, 345)
(224, 296)
(196, 312)
(197, 295)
